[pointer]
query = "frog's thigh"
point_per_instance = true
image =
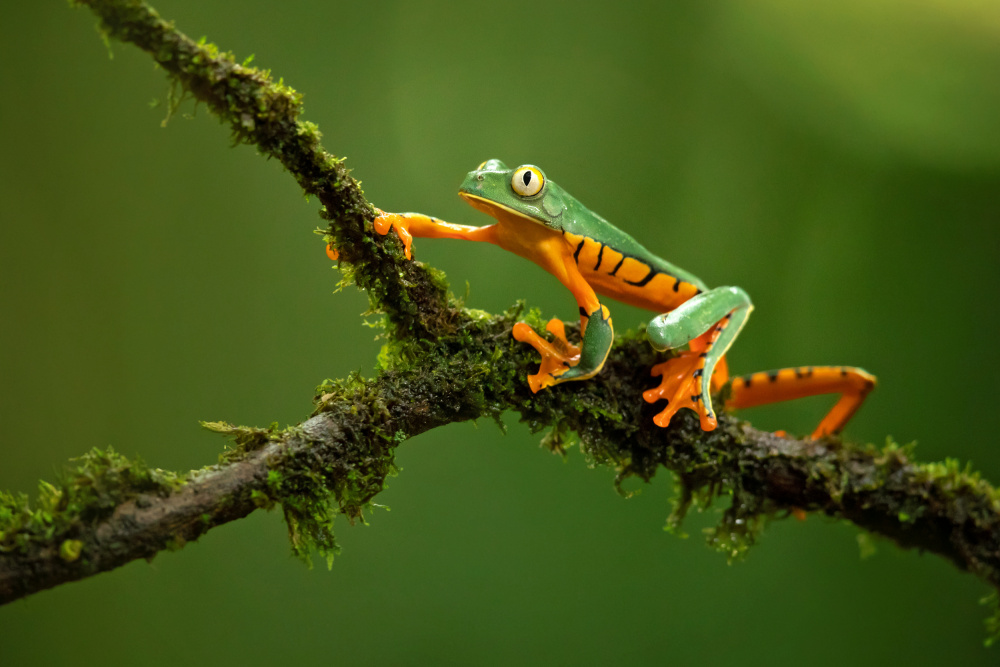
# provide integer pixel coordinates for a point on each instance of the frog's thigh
(595, 323)
(696, 316)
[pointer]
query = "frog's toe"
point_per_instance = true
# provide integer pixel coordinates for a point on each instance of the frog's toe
(558, 356)
(680, 387)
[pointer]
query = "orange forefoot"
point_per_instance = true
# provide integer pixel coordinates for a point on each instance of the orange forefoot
(557, 357)
(385, 221)
(332, 252)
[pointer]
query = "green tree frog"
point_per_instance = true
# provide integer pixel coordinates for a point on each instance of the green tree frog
(538, 220)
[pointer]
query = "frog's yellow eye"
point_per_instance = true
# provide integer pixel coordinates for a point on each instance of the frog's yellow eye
(527, 181)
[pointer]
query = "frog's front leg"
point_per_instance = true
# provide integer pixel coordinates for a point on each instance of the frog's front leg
(561, 360)
(710, 322)
(408, 225)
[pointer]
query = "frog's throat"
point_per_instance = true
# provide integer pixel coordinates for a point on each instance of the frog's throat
(493, 209)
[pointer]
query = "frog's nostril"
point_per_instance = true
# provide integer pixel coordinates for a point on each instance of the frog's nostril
(480, 177)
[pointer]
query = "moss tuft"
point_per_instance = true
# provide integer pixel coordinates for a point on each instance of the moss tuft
(70, 550)
(85, 494)
(246, 438)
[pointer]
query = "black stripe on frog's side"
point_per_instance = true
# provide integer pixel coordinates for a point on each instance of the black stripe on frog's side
(600, 256)
(649, 276)
(652, 271)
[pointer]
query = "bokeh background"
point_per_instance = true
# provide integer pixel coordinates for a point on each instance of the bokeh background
(840, 161)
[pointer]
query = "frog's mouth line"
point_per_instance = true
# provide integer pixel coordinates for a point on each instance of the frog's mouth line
(490, 207)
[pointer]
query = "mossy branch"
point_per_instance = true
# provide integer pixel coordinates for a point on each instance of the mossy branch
(446, 364)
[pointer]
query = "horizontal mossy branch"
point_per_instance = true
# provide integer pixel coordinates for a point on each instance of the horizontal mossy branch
(445, 364)
(335, 461)
(338, 460)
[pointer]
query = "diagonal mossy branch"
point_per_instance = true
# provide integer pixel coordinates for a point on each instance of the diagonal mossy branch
(446, 365)
(265, 114)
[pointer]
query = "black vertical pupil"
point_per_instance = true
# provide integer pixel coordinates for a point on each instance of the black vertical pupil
(526, 177)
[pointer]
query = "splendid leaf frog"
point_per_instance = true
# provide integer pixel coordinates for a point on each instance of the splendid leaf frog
(538, 220)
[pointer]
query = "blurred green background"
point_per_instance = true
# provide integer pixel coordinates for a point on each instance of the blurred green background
(839, 161)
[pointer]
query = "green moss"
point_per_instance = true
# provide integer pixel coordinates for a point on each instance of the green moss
(559, 439)
(245, 438)
(954, 480)
(86, 493)
(261, 499)
(312, 483)
(70, 550)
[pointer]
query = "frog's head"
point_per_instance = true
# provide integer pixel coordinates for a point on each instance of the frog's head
(495, 188)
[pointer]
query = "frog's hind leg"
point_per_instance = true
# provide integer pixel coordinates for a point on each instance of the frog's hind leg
(709, 322)
(557, 356)
(561, 360)
(853, 384)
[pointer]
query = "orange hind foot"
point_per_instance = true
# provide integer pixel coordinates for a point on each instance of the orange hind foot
(679, 387)
(557, 357)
